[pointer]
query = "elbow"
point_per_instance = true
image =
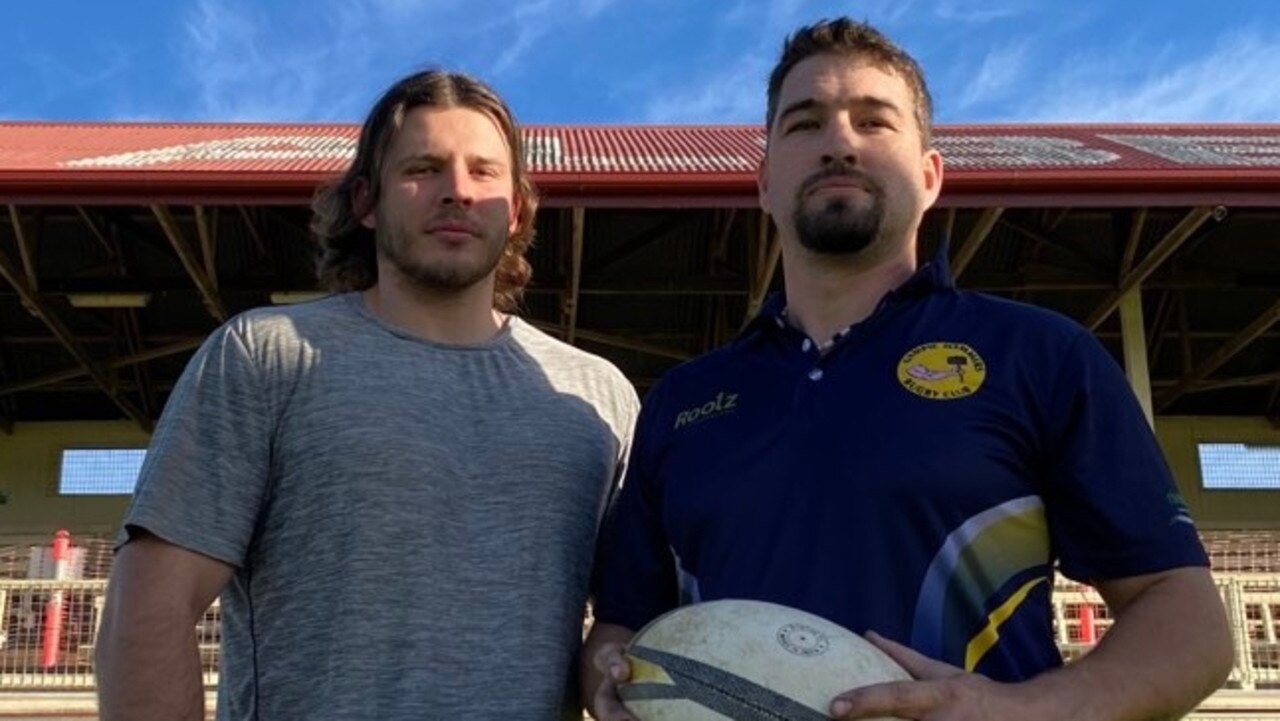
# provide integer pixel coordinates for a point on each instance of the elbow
(1221, 655)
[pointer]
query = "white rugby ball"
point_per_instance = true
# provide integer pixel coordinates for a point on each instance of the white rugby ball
(746, 661)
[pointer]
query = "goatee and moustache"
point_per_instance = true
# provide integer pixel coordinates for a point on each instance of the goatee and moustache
(840, 226)
(397, 242)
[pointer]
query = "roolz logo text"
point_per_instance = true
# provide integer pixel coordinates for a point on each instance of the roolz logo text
(718, 406)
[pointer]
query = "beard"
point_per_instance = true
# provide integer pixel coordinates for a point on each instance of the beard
(840, 226)
(397, 245)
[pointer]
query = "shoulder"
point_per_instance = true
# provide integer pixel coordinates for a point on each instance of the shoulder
(1015, 315)
(565, 364)
(272, 328)
(729, 366)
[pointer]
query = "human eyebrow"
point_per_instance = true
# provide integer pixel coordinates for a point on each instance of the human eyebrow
(796, 107)
(871, 102)
(419, 159)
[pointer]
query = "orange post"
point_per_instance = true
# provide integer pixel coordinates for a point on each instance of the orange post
(1088, 632)
(53, 610)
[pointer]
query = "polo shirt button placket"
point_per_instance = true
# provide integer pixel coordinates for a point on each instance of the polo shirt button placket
(815, 374)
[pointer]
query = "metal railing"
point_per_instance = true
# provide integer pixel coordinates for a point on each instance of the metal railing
(48, 630)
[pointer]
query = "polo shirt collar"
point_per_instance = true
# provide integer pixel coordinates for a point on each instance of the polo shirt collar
(932, 277)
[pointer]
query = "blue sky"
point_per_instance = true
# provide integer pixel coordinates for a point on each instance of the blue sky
(630, 61)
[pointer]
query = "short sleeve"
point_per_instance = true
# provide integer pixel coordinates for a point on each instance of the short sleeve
(206, 470)
(1112, 505)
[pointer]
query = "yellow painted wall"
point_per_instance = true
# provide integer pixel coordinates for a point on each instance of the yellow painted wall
(1218, 509)
(29, 472)
(29, 462)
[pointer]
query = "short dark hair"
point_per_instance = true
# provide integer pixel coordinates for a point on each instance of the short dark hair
(843, 36)
(348, 257)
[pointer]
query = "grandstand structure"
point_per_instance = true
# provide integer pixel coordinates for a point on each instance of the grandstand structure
(122, 245)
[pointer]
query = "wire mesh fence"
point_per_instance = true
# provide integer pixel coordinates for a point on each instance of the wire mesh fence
(50, 613)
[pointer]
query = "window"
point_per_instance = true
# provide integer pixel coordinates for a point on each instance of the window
(100, 471)
(1237, 466)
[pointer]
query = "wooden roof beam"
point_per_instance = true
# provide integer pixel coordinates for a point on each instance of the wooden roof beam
(208, 291)
(1225, 352)
(70, 373)
(26, 246)
(768, 252)
(569, 304)
(618, 342)
(252, 227)
(9, 270)
(97, 233)
(972, 242)
(207, 230)
(1135, 238)
(1158, 255)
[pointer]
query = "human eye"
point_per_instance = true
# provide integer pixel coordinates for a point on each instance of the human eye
(876, 121)
(800, 124)
(417, 170)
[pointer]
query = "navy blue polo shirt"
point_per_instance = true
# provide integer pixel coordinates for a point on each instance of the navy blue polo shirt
(919, 478)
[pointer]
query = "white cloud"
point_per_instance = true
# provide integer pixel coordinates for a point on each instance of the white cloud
(241, 72)
(1236, 81)
(997, 77)
(734, 95)
(56, 80)
(980, 11)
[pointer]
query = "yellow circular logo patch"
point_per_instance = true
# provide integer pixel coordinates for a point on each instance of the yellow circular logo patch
(942, 371)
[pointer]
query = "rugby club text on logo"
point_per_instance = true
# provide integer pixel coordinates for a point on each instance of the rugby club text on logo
(721, 404)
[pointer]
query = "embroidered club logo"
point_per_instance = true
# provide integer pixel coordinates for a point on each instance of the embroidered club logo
(942, 371)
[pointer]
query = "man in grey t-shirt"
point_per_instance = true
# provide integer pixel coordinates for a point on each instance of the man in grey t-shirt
(394, 489)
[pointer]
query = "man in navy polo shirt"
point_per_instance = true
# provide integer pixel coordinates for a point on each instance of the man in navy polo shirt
(902, 457)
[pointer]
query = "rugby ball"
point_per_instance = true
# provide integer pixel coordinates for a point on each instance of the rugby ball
(736, 660)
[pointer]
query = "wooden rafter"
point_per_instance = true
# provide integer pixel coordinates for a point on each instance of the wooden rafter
(49, 316)
(208, 293)
(1184, 335)
(1158, 255)
(1045, 238)
(1213, 384)
(1053, 222)
(70, 373)
(26, 246)
(641, 241)
(97, 232)
(207, 230)
(132, 329)
(768, 251)
(1133, 340)
(972, 242)
(571, 297)
(619, 342)
(1135, 239)
(253, 232)
(1225, 352)
(1159, 325)
(717, 262)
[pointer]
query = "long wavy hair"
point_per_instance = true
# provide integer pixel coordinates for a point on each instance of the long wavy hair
(347, 259)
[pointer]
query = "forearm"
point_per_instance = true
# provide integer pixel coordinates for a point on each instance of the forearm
(148, 662)
(149, 672)
(1168, 649)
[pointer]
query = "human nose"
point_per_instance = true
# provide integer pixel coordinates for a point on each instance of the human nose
(841, 143)
(458, 187)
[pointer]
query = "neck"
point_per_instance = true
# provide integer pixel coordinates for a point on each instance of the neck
(826, 294)
(453, 317)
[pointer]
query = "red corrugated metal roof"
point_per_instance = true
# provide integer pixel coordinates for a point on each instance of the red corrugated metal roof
(112, 162)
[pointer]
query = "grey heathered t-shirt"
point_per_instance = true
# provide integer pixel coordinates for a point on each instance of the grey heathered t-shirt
(412, 524)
